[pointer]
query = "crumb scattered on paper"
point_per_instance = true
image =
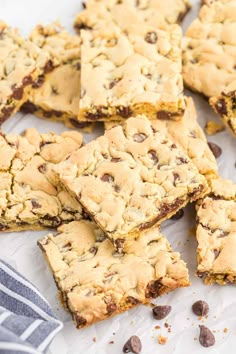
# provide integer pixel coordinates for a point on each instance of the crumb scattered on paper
(212, 128)
(225, 330)
(161, 339)
(94, 339)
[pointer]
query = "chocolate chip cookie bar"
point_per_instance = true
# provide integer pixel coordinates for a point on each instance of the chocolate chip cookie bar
(187, 134)
(95, 282)
(123, 75)
(131, 178)
(57, 96)
(30, 198)
(124, 13)
(216, 234)
(21, 63)
(225, 106)
(209, 57)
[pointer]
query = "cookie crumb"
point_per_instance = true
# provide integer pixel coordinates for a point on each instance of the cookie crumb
(161, 339)
(212, 128)
(225, 330)
(166, 325)
(111, 342)
(94, 339)
(157, 327)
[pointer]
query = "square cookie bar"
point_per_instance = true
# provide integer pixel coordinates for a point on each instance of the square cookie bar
(225, 106)
(216, 234)
(131, 178)
(188, 134)
(96, 283)
(57, 96)
(124, 13)
(123, 75)
(30, 198)
(21, 63)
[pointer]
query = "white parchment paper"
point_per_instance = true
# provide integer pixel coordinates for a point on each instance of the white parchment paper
(21, 251)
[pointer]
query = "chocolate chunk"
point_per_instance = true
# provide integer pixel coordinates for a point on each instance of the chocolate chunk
(107, 178)
(99, 112)
(139, 138)
(83, 5)
(124, 112)
(176, 176)
(169, 115)
(93, 250)
(39, 82)
(206, 337)
(153, 155)
(216, 150)
(3, 227)
(47, 114)
(5, 113)
(160, 312)
(111, 307)
(53, 220)
(115, 159)
(35, 204)
(216, 253)
(57, 113)
(17, 92)
(27, 81)
(221, 107)
(153, 289)
(200, 308)
(48, 67)
(178, 215)
(133, 345)
(113, 83)
(29, 107)
(151, 37)
(77, 124)
(133, 300)
(80, 321)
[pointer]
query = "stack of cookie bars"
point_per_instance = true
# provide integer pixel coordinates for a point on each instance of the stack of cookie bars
(108, 198)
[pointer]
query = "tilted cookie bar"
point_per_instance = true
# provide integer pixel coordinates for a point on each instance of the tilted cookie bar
(125, 13)
(21, 63)
(123, 75)
(188, 134)
(30, 197)
(131, 178)
(209, 49)
(225, 106)
(95, 282)
(56, 96)
(216, 234)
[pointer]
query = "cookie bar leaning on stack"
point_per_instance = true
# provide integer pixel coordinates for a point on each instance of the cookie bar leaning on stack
(21, 63)
(188, 134)
(131, 178)
(96, 283)
(209, 57)
(30, 198)
(216, 234)
(124, 13)
(123, 75)
(57, 96)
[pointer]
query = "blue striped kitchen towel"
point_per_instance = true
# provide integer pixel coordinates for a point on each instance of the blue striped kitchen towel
(27, 323)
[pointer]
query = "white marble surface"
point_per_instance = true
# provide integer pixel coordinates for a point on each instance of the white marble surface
(21, 251)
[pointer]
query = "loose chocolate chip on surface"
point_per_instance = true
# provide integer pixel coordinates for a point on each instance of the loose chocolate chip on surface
(133, 345)
(216, 150)
(178, 215)
(107, 178)
(160, 312)
(200, 308)
(111, 307)
(139, 138)
(206, 337)
(151, 37)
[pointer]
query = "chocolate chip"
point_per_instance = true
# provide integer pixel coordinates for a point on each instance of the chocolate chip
(80, 321)
(115, 159)
(133, 300)
(119, 244)
(17, 92)
(77, 124)
(216, 253)
(93, 250)
(35, 204)
(200, 308)
(47, 114)
(176, 176)
(153, 289)
(107, 178)
(6, 112)
(48, 67)
(54, 91)
(39, 82)
(216, 150)
(206, 337)
(57, 113)
(133, 345)
(140, 137)
(153, 155)
(178, 215)
(124, 112)
(83, 5)
(27, 80)
(42, 168)
(29, 107)
(151, 37)
(116, 188)
(99, 112)
(169, 115)
(182, 160)
(160, 312)
(111, 307)
(221, 107)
